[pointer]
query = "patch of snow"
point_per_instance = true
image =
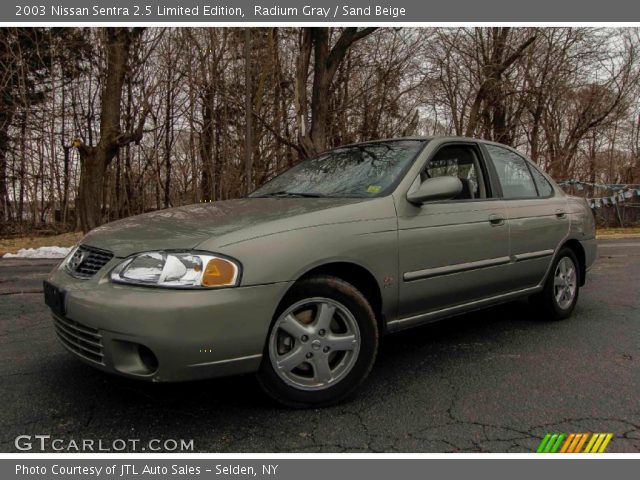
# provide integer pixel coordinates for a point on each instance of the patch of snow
(40, 252)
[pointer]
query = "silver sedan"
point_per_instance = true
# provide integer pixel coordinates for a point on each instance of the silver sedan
(298, 281)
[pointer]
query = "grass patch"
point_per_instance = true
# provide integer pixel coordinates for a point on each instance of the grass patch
(12, 245)
(605, 232)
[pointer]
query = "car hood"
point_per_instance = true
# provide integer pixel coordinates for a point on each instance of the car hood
(226, 221)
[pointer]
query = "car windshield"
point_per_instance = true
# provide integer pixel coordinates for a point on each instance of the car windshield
(364, 170)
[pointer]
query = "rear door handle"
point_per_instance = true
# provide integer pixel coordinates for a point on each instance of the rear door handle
(561, 213)
(496, 220)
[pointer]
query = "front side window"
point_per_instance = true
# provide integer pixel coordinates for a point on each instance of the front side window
(458, 161)
(513, 173)
(365, 170)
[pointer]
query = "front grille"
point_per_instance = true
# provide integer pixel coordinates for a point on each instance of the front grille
(86, 261)
(80, 339)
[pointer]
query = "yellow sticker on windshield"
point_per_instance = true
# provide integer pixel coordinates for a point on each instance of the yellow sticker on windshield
(373, 188)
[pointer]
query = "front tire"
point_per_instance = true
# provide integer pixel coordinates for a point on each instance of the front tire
(321, 346)
(560, 294)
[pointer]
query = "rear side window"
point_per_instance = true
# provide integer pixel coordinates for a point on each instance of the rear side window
(544, 187)
(513, 173)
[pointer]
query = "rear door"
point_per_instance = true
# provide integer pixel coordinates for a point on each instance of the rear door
(455, 251)
(537, 216)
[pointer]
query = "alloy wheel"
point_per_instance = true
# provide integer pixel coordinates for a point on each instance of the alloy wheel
(565, 283)
(314, 343)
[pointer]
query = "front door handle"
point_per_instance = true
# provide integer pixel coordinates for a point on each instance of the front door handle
(496, 220)
(560, 213)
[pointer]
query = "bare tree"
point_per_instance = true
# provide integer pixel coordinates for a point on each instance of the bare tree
(94, 159)
(167, 116)
(327, 60)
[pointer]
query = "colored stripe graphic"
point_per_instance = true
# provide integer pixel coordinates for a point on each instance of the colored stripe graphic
(556, 445)
(570, 442)
(581, 443)
(605, 442)
(598, 443)
(550, 443)
(573, 442)
(594, 437)
(543, 443)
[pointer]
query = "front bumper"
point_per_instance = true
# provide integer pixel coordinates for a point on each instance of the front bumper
(161, 334)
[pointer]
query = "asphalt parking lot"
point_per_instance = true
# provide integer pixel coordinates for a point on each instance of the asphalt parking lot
(492, 381)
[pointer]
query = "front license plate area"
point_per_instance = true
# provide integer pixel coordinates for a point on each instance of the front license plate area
(54, 298)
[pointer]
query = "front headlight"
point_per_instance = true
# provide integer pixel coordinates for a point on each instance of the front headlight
(65, 261)
(178, 270)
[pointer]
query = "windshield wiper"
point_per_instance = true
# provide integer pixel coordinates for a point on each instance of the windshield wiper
(284, 193)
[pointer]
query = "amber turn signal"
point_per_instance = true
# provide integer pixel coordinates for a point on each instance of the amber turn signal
(219, 272)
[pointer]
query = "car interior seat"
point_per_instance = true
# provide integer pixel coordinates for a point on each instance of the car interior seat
(466, 193)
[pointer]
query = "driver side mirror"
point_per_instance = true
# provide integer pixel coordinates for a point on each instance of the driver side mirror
(438, 188)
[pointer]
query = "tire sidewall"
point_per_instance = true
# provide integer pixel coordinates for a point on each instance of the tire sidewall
(347, 295)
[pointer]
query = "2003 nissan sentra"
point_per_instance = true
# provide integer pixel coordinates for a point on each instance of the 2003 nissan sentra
(298, 281)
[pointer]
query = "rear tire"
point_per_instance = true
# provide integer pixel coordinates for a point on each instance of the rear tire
(561, 290)
(321, 346)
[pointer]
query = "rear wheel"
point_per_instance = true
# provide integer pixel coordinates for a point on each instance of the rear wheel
(560, 294)
(322, 344)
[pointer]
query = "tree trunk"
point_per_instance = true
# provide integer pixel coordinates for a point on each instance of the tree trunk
(94, 160)
(5, 212)
(168, 141)
(326, 63)
(248, 109)
(88, 202)
(206, 145)
(490, 92)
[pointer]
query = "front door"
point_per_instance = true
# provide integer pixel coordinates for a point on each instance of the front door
(456, 251)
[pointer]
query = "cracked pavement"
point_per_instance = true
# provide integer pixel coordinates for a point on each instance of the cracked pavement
(490, 381)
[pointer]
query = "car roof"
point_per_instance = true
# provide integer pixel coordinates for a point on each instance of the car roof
(451, 138)
(421, 138)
